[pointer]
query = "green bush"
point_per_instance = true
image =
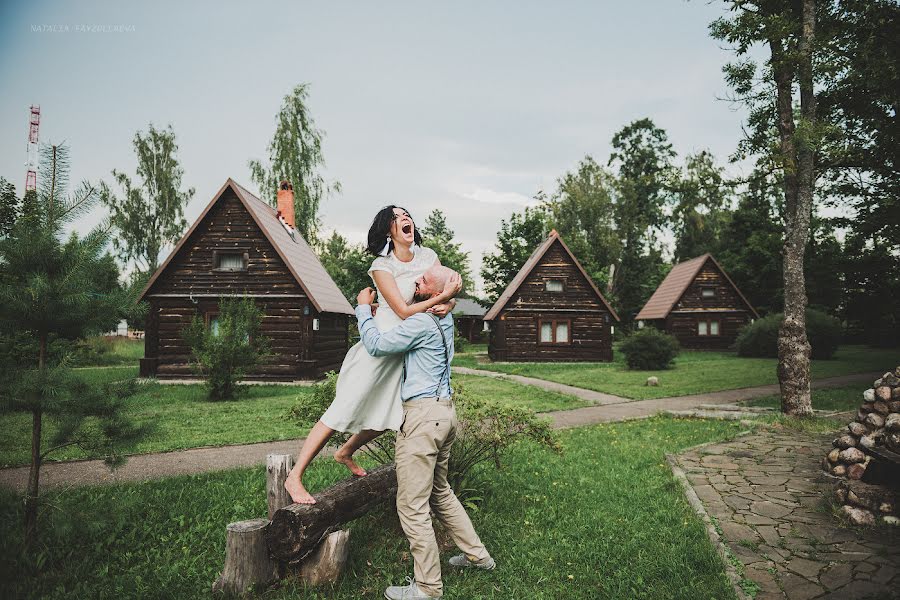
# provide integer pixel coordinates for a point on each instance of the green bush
(485, 433)
(760, 338)
(226, 352)
(649, 350)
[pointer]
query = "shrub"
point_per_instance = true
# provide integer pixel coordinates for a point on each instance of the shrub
(485, 433)
(760, 338)
(225, 352)
(649, 349)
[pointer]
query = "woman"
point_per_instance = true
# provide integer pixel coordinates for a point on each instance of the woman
(367, 400)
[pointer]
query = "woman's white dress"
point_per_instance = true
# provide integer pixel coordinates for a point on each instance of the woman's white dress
(368, 387)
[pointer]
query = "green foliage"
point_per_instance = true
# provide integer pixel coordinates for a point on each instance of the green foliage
(516, 240)
(702, 200)
(642, 156)
(295, 154)
(10, 205)
(149, 215)
(134, 312)
(760, 338)
(347, 264)
(228, 347)
(582, 211)
(649, 350)
(486, 431)
(438, 236)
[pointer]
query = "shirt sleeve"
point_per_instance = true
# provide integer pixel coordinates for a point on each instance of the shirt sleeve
(402, 338)
(429, 256)
(381, 264)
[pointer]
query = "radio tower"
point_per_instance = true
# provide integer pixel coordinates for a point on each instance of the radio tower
(31, 154)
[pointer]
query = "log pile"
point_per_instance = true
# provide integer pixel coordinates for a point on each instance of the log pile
(872, 438)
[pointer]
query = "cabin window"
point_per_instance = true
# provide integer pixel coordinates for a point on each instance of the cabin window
(707, 293)
(214, 324)
(707, 328)
(230, 261)
(554, 331)
(554, 285)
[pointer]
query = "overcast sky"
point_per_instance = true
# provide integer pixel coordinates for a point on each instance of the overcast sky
(470, 107)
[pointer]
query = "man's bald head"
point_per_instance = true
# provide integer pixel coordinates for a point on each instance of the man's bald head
(433, 281)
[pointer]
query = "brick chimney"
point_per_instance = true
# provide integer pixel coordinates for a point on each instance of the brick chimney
(286, 202)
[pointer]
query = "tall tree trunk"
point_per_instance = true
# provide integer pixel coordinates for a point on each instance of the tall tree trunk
(31, 494)
(797, 155)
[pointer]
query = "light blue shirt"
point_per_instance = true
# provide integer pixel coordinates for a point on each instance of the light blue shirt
(427, 375)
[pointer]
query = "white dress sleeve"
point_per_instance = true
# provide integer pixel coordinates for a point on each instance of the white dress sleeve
(429, 257)
(382, 263)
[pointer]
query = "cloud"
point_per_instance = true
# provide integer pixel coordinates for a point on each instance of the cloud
(488, 196)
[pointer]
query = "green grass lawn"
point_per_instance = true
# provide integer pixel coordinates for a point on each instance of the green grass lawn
(603, 520)
(181, 417)
(107, 351)
(694, 372)
(846, 398)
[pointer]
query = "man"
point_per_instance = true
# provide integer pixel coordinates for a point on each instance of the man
(425, 438)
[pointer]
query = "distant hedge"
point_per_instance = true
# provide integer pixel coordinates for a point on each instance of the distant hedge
(649, 349)
(760, 338)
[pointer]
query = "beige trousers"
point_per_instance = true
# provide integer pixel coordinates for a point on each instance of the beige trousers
(422, 456)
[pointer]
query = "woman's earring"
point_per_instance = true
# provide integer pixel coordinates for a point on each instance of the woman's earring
(386, 249)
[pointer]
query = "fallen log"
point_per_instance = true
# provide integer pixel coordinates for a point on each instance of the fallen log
(297, 529)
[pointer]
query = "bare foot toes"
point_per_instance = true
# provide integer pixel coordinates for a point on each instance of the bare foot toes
(298, 492)
(347, 461)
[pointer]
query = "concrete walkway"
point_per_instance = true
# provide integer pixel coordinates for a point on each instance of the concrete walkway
(608, 408)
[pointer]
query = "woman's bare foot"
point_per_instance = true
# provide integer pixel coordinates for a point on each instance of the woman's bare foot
(298, 493)
(347, 461)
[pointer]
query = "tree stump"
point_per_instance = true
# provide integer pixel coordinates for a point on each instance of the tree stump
(277, 468)
(326, 563)
(296, 530)
(247, 560)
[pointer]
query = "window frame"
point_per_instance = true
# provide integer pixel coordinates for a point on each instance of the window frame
(554, 321)
(244, 253)
(562, 282)
(708, 323)
(709, 288)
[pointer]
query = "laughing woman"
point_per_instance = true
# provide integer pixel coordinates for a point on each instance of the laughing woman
(367, 402)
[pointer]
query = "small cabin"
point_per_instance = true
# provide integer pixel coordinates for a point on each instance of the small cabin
(551, 311)
(699, 305)
(468, 318)
(242, 247)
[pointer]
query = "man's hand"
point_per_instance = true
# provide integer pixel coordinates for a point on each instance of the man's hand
(366, 296)
(440, 310)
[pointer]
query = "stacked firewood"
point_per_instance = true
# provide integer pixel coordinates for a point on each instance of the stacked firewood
(876, 427)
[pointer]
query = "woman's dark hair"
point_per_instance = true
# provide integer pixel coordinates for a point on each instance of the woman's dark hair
(381, 230)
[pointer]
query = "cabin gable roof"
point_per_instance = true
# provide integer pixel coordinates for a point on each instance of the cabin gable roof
(676, 283)
(294, 252)
(529, 266)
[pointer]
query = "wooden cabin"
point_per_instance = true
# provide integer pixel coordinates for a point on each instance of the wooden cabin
(468, 318)
(699, 305)
(551, 311)
(242, 247)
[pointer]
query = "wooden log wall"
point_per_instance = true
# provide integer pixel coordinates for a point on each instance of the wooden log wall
(514, 334)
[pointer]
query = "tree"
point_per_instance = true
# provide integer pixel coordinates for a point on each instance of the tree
(789, 31)
(347, 264)
(295, 154)
(702, 199)
(438, 236)
(642, 156)
(52, 289)
(227, 347)
(517, 239)
(151, 214)
(10, 205)
(582, 210)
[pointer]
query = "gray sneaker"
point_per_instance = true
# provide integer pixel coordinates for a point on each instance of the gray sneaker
(406, 592)
(463, 561)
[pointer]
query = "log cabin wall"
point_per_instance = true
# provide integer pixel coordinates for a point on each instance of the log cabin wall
(191, 285)
(515, 334)
(725, 306)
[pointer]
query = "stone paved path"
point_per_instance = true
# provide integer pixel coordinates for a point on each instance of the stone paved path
(199, 460)
(769, 497)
